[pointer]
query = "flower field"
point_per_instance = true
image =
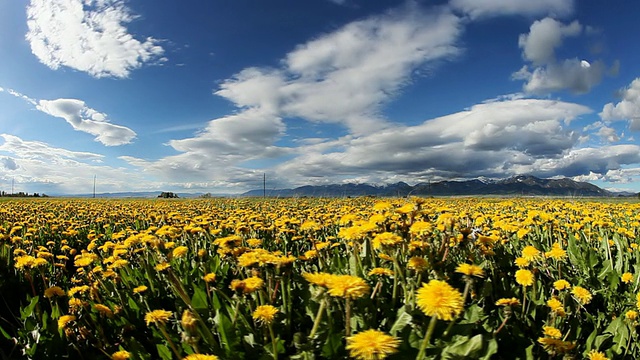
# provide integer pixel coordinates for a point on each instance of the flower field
(360, 278)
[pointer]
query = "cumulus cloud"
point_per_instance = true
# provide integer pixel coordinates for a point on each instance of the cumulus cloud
(87, 120)
(538, 46)
(488, 8)
(548, 74)
(345, 76)
(8, 163)
(38, 166)
(488, 139)
(89, 36)
(626, 109)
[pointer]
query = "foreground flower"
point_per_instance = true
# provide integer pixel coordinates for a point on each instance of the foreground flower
(140, 289)
(582, 295)
(371, 345)
(596, 355)
(561, 284)
(265, 314)
(556, 306)
(157, 317)
(470, 270)
(524, 277)
(627, 277)
(439, 299)
(120, 355)
(631, 315)
(179, 252)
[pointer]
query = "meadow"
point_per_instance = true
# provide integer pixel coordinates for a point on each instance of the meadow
(361, 278)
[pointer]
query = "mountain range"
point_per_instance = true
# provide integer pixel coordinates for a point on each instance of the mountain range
(521, 185)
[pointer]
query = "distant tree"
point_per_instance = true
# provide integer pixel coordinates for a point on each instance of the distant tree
(168, 195)
(206, 196)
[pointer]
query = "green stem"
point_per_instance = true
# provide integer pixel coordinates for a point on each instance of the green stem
(347, 316)
(427, 338)
(274, 343)
(171, 344)
(316, 323)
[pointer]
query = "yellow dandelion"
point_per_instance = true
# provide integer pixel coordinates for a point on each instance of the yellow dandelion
(470, 270)
(209, 278)
(556, 306)
(252, 284)
(417, 263)
(552, 332)
(103, 309)
(596, 355)
(556, 252)
(347, 286)
(524, 277)
(561, 284)
(139, 289)
(508, 302)
(638, 300)
(157, 317)
(556, 346)
(522, 262)
(631, 315)
(188, 321)
(265, 314)
(439, 299)
(319, 279)
(120, 355)
(200, 357)
(371, 345)
(582, 295)
(530, 253)
(179, 252)
(54, 291)
(380, 272)
(162, 266)
(627, 277)
(64, 320)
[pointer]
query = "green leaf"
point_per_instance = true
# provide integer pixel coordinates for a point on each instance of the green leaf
(332, 347)
(164, 352)
(463, 346)
(403, 319)
(28, 310)
(199, 299)
(133, 305)
(5, 334)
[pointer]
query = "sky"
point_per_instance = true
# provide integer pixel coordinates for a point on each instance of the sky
(210, 96)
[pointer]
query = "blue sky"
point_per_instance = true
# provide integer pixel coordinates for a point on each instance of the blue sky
(207, 96)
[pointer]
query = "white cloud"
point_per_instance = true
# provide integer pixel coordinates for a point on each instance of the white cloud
(489, 139)
(39, 150)
(346, 76)
(88, 120)
(89, 36)
(549, 74)
(626, 109)
(608, 134)
(538, 46)
(488, 8)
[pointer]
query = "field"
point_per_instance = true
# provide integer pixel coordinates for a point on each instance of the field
(360, 278)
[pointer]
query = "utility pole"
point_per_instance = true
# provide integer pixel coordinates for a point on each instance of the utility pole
(94, 186)
(264, 185)
(12, 180)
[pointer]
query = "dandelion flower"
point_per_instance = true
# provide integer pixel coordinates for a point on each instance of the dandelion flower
(556, 306)
(631, 315)
(347, 286)
(556, 252)
(555, 346)
(508, 302)
(200, 357)
(319, 279)
(179, 252)
(140, 289)
(417, 263)
(103, 309)
(209, 278)
(64, 320)
(380, 272)
(120, 355)
(265, 314)
(53, 291)
(439, 299)
(627, 277)
(561, 284)
(524, 277)
(252, 284)
(470, 270)
(582, 295)
(157, 317)
(522, 262)
(552, 332)
(530, 253)
(162, 266)
(371, 345)
(188, 321)
(596, 355)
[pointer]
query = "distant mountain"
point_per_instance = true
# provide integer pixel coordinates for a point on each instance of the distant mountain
(523, 185)
(130, 194)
